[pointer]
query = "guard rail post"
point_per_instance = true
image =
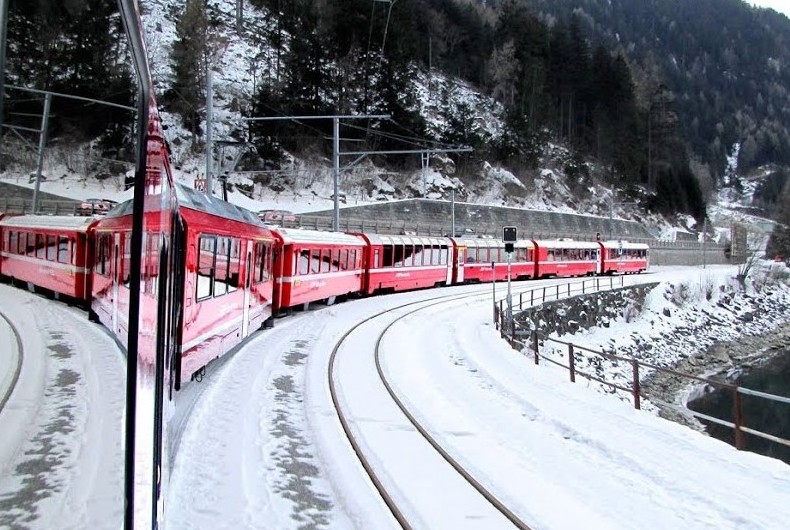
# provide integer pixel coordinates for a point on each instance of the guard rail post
(737, 413)
(571, 363)
(636, 389)
(535, 344)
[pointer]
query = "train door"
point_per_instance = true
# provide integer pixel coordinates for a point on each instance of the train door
(459, 264)
(449, 275)
(598, 254)
(245, 319)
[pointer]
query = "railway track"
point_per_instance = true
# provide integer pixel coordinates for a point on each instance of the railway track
(9, 378)
(381, 427)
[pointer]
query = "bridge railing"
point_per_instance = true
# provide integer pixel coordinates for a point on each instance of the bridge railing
(533, 342)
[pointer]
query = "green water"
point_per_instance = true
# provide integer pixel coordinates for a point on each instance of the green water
(758, 413)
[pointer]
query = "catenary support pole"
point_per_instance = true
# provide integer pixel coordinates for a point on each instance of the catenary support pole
(209, 117)
(336, 172)
(42, 141)
(3, 33)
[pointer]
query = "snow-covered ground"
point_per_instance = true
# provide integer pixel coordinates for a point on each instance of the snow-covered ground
(260, 447)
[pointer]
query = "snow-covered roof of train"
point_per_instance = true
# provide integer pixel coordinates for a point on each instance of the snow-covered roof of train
(566, 243)
(492, 243)
(57, 222)
(377, 239)
(195, 200)
(301, 235)
(618, 243)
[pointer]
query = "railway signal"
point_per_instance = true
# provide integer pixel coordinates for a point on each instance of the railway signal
(509, 237)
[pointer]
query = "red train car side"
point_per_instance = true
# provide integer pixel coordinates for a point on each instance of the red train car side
(50, 252)
(622, 257)
(313, 266)
(225, 286)
(481, 252)
(565, 258)
(402, 263)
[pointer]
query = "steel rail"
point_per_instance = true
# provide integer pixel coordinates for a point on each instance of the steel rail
(20, 359)
(352, 438)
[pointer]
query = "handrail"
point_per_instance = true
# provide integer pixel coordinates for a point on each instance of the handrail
(511, 330)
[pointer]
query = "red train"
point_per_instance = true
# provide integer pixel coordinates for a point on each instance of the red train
(236, 272)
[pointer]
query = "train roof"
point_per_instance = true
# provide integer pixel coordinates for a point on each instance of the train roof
(618, 243)
(199, 201)
(51, 222)
(301, 235)
(478, 242)
(565, 243)
(377, 239)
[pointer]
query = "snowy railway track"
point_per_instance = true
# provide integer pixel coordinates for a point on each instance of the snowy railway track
(376, 404)
(12, 363)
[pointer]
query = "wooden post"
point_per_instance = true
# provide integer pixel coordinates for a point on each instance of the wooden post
(571, 363)
(637, 397)
(535, 344)
(737, 412)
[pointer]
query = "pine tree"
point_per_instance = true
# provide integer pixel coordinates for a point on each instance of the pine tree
(186, 97)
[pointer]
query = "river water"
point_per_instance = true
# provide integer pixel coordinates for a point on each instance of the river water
(769, 417)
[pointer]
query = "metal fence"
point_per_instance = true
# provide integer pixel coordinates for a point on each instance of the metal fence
(529, 341)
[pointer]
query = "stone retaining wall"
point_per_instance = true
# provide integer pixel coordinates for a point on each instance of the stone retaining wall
(585, 311)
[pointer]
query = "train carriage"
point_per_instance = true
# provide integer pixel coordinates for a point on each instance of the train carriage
(401, 263)
(565, 258)
(316, 266)
(623, 257)
(226, 287)
(48, 252)
(482, 252)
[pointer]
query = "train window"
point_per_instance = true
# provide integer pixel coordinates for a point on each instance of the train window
(304, 261)
(103, 255)
(26, 243)
(326, 259)
(388, 259)
(222, 267)
(315, 261)
(416, 258)
(258, 263)
(234, 265)
(399, 255)
(126, 261)
(150, 272)
(205, 279)
(12, 244)
(63, 249)
(41, 246)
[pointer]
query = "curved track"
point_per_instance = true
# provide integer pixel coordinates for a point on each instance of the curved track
(495, 512)
(10, 382)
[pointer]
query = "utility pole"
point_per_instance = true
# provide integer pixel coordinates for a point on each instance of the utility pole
(337, 153)
(336, 164)
(209, 124)
(3, 33)
(452, 212)
(42, 141)
(425, 159)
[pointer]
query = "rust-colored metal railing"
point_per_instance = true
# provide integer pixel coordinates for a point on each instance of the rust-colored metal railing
(529, 342)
